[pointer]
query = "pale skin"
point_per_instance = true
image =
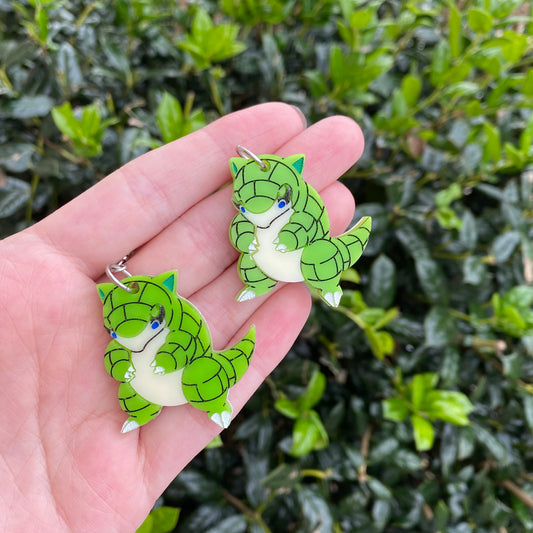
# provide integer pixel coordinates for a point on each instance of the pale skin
(64, 464)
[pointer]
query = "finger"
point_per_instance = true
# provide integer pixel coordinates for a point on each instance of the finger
(137, 201)
(178, 434)
(197, 243)
(331, 147)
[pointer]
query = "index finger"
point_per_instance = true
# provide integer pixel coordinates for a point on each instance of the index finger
(140, 199)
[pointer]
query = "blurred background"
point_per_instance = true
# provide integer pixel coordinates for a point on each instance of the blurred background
(410, 408)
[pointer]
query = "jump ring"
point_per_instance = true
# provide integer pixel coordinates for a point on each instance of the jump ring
(247, 154)
(112, 269)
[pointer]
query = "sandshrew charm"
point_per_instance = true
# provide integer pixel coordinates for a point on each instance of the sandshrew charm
(282, 229)
(161, 351)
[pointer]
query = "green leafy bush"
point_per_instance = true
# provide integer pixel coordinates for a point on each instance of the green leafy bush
(411, 407)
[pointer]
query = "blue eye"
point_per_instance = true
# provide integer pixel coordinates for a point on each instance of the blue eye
(155, 324)
(281, 204)
(242, 209)
(113, 334)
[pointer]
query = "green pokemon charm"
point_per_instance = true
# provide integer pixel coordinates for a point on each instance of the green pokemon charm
(161, 351)
(282, 229)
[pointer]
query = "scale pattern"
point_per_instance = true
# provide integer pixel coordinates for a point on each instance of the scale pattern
(207, 374)
(323, 258)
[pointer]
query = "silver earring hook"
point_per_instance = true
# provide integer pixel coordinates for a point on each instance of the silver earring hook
(120, 267)
(248, 154)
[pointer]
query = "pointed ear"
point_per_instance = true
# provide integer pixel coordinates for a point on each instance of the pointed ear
(235, 164)
(169, 280)
(296, 161)
(104, 289)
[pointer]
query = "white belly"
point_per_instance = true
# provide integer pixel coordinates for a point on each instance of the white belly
(282, 266)
(161, 389)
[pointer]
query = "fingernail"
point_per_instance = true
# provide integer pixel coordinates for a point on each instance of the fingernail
(302, 116)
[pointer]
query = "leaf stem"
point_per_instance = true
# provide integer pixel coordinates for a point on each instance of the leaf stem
(33, 188)
(245, 510)
(215, 94)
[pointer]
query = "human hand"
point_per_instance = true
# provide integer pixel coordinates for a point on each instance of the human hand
(65, 465)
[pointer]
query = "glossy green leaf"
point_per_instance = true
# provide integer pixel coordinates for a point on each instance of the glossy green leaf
(381, 342)
(520, 297)
(231, 524)
(361, 18)
(396, 409)
(468, 234)
(323, 438)
(16, 157)
(527, 85)
(492, 148)
(479, 20)
(208, 43)
(169, 117)
(66, 122)
(90, 121)
(160, 520)
(68, 67)
(458, 136)
(449, 406)
(423, 433)
(147, 526)
(379, 489)
(455, 32)
(440, 63)
(284, 476)
(315, 511)
(305, 434)
(313, 392)
(14, 195)
(493, 444)
(504, 245)
(420, 386)
(29, 106)
(503, 8)
(287, 408)
(432, 279)
(382, 287)
(440, 327)
(381, 511)
(199, 485)
(445, 197)
(527, 401)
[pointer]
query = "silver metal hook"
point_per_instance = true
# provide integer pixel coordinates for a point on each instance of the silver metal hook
(111, 270)
(247, 154)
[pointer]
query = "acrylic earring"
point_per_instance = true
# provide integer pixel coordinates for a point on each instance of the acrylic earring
(161, 350)
(282, 229)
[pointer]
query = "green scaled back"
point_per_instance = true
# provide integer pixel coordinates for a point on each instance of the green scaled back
(161, 351)
(282, 230)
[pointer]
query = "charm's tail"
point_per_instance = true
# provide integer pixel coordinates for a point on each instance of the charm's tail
(236, 359)
(352, 243)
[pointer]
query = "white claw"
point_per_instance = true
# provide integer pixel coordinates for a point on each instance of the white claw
(226, 419)
(281, 248)
(333, 298)
(129, 425)
(159, 370)
(246, 294)
(253, 246)
(217, 419)
(222, 419)
(130, 374)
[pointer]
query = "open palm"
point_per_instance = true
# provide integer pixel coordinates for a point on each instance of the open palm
(64, 464)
